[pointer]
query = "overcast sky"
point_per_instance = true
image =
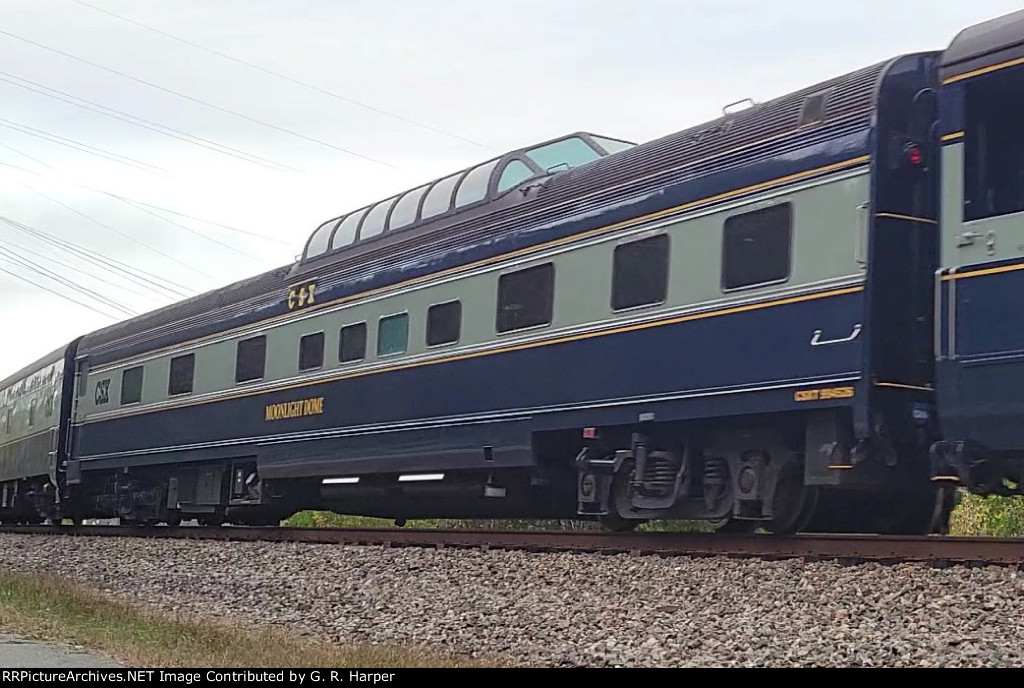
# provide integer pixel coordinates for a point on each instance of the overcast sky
(437, 86)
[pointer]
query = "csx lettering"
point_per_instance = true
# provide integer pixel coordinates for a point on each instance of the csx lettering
(821, 394)
(301, 297)
(294, 409)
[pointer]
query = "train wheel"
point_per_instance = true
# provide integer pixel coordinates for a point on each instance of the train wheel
(793, 502)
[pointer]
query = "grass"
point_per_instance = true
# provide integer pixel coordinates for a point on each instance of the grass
(56, 610)
(329, 519)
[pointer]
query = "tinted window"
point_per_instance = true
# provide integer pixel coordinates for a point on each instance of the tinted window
(131, 386)
(474, 185)
(525, 298)
(374, 222)
(640, 272)
(994, 145)
(321, 238)
(439, 198)
(393, 334)
(251, 359)
(182, 374)
(444, 321)
(564, 154)
(405, 210)
(353, 343)
(612, 145)
(311, 351)
(345, 234)
(756, 247)
(514, 174)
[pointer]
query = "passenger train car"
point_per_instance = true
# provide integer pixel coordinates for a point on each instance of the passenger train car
(798, 316)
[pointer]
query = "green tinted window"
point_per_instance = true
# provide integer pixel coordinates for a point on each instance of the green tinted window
(439, 198)
(564, 154)
(612, 145)
(393, 334)
(514, 174)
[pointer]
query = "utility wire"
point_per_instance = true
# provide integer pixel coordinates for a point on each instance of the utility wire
(125, 199)
(285, 77)
(134, 120)
(55, 293)
(140, 277)
(46, 272)
(77, 145)
(126, 235)
(204, 103)
(76, 269)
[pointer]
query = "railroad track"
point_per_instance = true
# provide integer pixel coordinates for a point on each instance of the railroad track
(851, 549)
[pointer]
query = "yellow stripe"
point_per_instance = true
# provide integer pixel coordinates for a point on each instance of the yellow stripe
(899, 385)
(516, 347)
(837, 468)
(953, 137)
(897, 216)
(984, 70)
(852, 162)
(986, 271)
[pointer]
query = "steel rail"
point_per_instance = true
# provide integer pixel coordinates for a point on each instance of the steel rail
(933, 550)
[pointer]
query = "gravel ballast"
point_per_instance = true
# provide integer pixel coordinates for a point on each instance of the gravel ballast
(565, 609)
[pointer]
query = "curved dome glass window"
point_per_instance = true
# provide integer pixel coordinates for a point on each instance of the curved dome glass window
(374, 222)
(515, 173)
(320, 239)
(439, 198)
(612, 145)
(405, 210)
(474, 185)
(563, 155)
(345, 234)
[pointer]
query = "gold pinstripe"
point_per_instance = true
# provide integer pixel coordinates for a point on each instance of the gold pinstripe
(912, 218)
(985, 271)
(514, 347)
(835, 167)
(984, 70)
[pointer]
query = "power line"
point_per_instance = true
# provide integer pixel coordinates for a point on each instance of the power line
(234, 113)
(134, 120)
(113, 229)
(140, 206)
(141, 277)
(55, 292)
(76, 269)
(77, 145)
(32, 266)
(285, 77)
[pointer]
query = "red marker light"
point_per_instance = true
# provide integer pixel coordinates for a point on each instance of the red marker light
(913, 154)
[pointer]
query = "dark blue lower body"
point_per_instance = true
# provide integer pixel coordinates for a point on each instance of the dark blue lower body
(442, 415)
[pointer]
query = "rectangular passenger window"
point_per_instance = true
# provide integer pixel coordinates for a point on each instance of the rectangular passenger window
(182, 374)
(993, 145)
(353, 343)
(640, 272)
(755, 248)
(525, 298)
(444, 322)
(32, 413)
(311, 351)
(251, 359)
(393, 334)
(131, 386)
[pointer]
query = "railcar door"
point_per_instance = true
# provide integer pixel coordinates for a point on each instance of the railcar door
(902, 257)
(980, 304)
